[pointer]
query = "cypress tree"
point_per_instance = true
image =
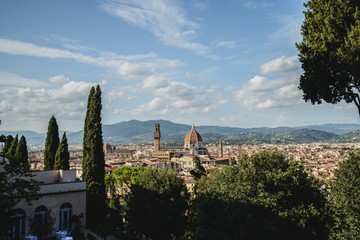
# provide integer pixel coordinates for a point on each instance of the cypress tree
(7, 144)
(93, 164)
(198, 170)
(51, 144)
(22, 152)
(12, 149)
(62, 155)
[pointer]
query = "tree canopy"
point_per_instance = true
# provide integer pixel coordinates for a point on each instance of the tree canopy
(93, 164)
(157, 204)
(62, 155)
(12, 148)
(7, 144)
(345, 201)
(198, 170)
(330, 52)
(22, 152)
(265, 195)
(51, 144)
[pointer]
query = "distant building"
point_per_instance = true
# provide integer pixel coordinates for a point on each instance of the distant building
(107, 148)
(124, 154)
(193, 145)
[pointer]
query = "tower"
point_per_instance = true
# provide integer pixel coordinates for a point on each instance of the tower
(239, 155)
(157, 136)
(221, 149)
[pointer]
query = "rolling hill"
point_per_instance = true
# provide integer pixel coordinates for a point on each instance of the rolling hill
(135, 131)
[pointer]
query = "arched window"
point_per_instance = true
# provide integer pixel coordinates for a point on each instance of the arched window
(39, 223)
(18, 224)
(65, 217)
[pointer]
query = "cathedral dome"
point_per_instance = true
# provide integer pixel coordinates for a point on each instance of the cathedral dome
(193, 139)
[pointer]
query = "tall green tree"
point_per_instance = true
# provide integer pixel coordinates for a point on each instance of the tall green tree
(330, 52)
(12, 149)
(345, 201)
(51, 144)
(157, 205)
(62, 155)
(22, 152)
(93, 164)
(264, 196)
(198, 170)
(7, 144)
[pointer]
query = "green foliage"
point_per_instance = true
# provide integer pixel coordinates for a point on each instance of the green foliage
(51, 144)
(12, 149)
(283, 196)
(7, 144)
(345, 192)
(157, 204)
(122, 177)
(62, 155)
(330, 51)
(93, 164)
(15, 182)
(42, 226)
(2, 138)
(198, 170)
(232, 161)
(22, 152)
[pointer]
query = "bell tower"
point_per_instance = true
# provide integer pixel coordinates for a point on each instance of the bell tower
(157, 136)
(221, 149)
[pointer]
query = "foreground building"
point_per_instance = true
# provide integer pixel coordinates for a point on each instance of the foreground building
(60, 197)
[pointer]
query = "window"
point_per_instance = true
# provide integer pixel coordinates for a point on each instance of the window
(18, 224)
(65, 216)
(39, 223)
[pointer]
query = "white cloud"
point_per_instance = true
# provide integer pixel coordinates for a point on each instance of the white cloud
(232, 119)
(255, 5)
(164, 18)
(10, 79)
(155, 81)
(29, 49)
(283, 120)
(5, 106)
(290, 29)
(133, 70)
(280, 65)
(199, 5)
(70, 91)
(35, 104)
(261, 93)
(347, 108)
(59, 79)
(157, 106)
(226, 44)
(131, 67)
(113, 95)
(178, 91)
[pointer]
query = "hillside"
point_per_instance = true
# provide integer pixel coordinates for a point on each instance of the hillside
(142, 131)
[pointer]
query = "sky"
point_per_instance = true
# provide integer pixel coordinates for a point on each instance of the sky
(207, 62)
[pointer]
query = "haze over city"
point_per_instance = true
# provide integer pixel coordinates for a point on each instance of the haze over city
(227, 63)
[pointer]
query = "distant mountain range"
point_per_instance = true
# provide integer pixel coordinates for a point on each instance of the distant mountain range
(135, 131)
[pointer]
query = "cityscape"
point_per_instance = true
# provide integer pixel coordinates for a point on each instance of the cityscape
(320, 158)
(180, 120)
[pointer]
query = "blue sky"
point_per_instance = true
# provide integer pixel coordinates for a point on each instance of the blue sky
(228, 63)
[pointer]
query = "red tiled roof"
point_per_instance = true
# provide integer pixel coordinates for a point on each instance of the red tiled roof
(193, 136)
